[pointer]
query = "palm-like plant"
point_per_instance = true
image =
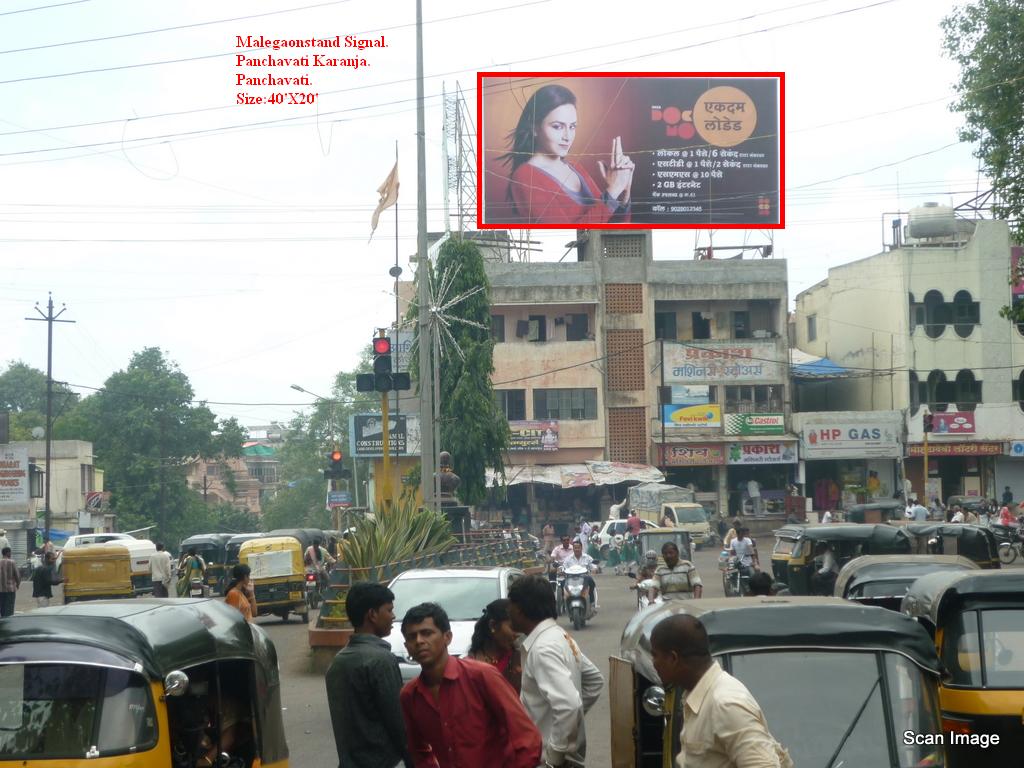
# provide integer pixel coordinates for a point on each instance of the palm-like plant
(407, 531)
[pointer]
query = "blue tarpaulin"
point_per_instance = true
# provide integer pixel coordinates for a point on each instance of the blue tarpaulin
(805, 366)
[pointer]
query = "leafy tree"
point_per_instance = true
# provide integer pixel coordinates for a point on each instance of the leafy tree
(23, 393)
(145, 428)
(986, 38)
(473, 429)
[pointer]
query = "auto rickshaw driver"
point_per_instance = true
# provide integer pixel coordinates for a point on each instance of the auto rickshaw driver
(823, 580)
(676, 578)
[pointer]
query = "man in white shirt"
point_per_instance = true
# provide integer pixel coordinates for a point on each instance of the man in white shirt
(744, 549)
(723, 725)
(585, 530)
(559, 683)
(823, 580)
(160, 565)
(958, 515)
(826, 517)
(754, 492)
(579, 557)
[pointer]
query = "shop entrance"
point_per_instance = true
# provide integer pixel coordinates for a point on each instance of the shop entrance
(831, 482)
(772, 480)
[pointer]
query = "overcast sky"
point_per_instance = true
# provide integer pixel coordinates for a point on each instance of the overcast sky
(235, 237)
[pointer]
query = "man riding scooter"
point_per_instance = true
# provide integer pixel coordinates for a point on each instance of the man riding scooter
(586, 561)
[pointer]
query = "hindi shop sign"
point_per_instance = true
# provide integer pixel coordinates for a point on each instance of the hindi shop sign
(14, 476)
(850, 440)
(533, 436)
(366, 436)
(755, 424)
(956, 449)
(692, 416)
(691, 455)
(775, 452)
(734, 362)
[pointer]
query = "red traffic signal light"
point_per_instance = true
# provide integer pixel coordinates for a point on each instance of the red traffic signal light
(382, 345)
(336, 456)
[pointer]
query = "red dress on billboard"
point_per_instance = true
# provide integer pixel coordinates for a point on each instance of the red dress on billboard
(537, 197)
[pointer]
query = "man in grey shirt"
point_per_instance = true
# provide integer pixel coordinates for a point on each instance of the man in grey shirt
(363, 684)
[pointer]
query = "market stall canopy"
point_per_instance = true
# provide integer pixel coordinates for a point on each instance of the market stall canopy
(805, 366)
(577, 475)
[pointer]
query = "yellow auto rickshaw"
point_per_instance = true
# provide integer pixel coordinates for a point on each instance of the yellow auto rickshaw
(154, 683)
(977, 621)
(97, 572)
(278, 575)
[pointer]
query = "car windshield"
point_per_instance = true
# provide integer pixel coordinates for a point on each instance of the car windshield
(67, 710)
(783, 547)
(691, 515)
(999, 633)
(463, 597)
(834, 687)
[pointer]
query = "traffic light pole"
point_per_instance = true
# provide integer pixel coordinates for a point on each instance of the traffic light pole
(385, 484)
(925, 452)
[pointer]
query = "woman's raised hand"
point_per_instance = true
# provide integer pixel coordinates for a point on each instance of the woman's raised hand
(618, 175)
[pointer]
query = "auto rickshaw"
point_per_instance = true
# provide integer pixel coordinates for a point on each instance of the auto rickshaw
(656, 538)
(213, 548)
(232, 547)
(278, 575)
(97, 572)
(847, 541)
(977, 621)
(880, 511)
(883, 580)
(155, 683)
(839, 683)
(975, 542)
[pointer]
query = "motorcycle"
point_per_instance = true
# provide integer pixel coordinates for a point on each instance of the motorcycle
(312, 589)
(735, 580)
(196, 588)
(579, 607)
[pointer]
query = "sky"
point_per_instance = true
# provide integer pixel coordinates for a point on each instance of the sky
(161, 212)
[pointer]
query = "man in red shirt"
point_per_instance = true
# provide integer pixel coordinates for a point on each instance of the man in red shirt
(458, 712)
(633, 524)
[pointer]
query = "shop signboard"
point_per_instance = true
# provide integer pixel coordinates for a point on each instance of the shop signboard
(367, 437)
(956, 449)
(845, 439)
(1016, 448)
(953, 423)
(728, 362)
(773, 452)
(691, 455)
(755, 424)
(707, 416)
(14, 476)
(533, 436)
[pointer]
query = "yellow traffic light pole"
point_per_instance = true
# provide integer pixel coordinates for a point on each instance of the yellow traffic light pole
(385, 484)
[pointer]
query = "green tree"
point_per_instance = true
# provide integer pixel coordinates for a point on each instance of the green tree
(986, 38)
(145, 428)
(472, 427)
(23, 393)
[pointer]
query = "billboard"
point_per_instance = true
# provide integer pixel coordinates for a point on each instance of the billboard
(366, 435)
(533, 436)
(731, 362)
(630, 150)
(755, 424)
(14, 475)
(953, 423)
(692, 416)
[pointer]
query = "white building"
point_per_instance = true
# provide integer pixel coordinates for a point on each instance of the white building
(919, 327)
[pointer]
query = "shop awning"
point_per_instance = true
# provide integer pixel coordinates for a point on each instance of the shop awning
(805, 366)
(577, 475)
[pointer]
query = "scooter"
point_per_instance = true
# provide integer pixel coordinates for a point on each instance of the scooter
(196, 588)
(579, 607)
(643, 595)
(312, 589)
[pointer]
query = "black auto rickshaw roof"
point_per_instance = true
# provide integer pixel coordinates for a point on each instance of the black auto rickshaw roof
(241, 538)
(872, 569)
(934, 596)
(959, 530)
(967, 502)
(744, 624)
(159, 634)
(879, 532)
(879, 504)
(217, 539)
(306, 536)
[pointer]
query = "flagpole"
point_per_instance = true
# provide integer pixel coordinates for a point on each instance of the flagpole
(426, 382)
(397, 271)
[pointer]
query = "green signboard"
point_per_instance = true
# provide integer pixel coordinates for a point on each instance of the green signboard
(755, 424)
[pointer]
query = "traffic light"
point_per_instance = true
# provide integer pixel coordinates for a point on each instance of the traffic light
(929, 422)
(383, 378)
(334, 469)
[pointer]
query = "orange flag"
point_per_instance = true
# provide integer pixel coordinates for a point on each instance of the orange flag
(388, 192)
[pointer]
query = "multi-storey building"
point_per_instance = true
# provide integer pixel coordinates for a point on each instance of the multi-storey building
(918, 327)
(615, 357)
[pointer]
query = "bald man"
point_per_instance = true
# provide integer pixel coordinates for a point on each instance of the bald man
(723, 726)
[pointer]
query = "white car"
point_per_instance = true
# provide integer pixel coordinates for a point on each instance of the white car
(615, 527)
(85, 539)
(462, 592)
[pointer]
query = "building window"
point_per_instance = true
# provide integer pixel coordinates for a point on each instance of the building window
(538, 330)
(915, 393)
(701, 325)
(968, 390)
(940, 393)
(665, 325)
(936, 314)
(212, 470)
(577, 327)
(966, 314)
(564, 404)
(741, 325)
(498, 328)
(812, 328)
(754, 398)
(88, 477)
(1018, 390)
(623, 246)
(512, 403)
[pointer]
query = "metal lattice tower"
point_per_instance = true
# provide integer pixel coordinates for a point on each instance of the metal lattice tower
(458, 158)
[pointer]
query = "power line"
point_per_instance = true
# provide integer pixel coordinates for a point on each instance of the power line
(43, 7)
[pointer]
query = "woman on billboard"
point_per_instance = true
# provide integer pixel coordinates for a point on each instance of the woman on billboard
(545, 187)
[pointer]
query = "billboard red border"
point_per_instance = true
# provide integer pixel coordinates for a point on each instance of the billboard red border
(781, 76)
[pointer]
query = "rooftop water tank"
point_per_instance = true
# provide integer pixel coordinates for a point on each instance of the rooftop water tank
(931, 220)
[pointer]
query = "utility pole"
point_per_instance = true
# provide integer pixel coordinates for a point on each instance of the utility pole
(427, 455)
(50, 319)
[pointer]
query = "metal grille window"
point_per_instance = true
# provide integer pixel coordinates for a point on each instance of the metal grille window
(623, 298)
(756, 398)
(627, 435)
(565, 404)
(625, 360)
(512, 403)
(623, 246)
